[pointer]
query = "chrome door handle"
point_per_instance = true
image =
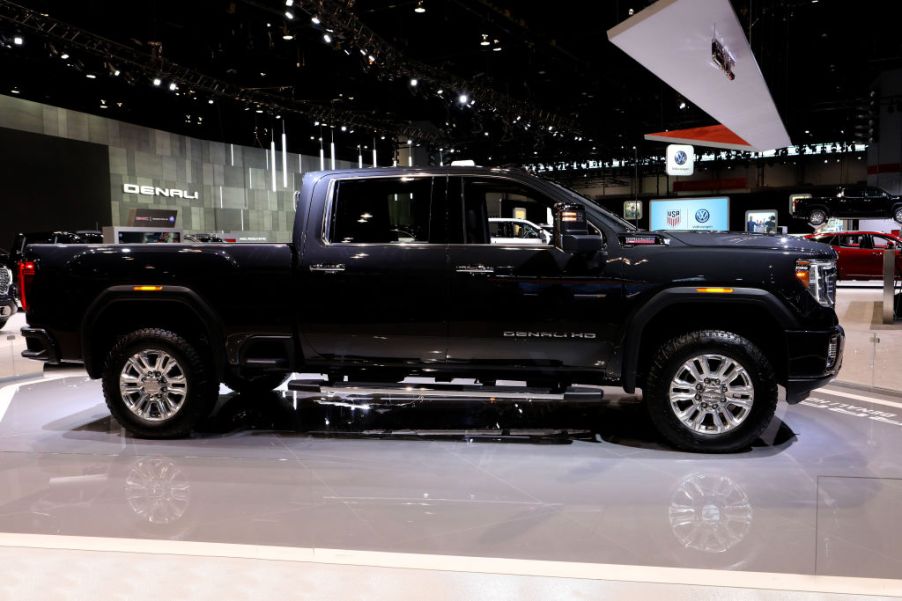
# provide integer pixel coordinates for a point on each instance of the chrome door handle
(336, 268)
(474, 269)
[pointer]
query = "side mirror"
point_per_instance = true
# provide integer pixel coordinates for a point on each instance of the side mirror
(571, 231)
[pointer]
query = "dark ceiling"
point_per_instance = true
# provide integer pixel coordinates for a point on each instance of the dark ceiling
(546, 85)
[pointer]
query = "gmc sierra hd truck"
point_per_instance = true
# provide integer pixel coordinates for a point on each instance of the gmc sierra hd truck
(393, 273)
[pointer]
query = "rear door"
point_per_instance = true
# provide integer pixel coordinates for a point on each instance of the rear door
(373, 272)
(521, 306)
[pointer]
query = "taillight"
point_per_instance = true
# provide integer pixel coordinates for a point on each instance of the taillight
(26, 274)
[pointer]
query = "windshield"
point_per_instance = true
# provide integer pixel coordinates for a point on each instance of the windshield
(613, 220)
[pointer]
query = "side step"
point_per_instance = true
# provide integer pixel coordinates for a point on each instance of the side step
(441, 390)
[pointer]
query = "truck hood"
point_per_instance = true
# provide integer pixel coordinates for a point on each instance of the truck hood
(744, 240)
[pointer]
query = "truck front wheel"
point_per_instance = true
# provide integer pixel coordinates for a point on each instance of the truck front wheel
(711, 391)
(157, 384)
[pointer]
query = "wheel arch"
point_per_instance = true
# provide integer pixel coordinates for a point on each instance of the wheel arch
(120, 309)
(750, 312)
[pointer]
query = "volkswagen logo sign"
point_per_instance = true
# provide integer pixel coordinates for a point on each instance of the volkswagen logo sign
(702, 215)
(680, 157)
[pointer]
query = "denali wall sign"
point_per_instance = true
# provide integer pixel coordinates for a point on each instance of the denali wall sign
(154, 191)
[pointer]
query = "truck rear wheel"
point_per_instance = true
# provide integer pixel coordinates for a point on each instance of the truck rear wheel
(817, 217)
(711, 391)
(254, 383)
(897, 214)
(157, 384)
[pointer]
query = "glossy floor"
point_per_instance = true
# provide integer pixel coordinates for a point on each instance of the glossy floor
(517, 479)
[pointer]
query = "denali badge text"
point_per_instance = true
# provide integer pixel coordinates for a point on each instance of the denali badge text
(153, 191)
(582, 335)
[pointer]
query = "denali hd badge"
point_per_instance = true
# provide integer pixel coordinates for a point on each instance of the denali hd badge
(569, 335)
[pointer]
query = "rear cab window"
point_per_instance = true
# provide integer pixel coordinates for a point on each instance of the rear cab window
(383, 210)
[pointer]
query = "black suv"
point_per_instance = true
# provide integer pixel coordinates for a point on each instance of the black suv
(849, 201)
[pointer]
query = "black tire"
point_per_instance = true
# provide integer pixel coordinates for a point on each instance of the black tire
(254, 384)
(193, 366)
(817, 217)
(3, 321)
(897, 214)
(667, 365)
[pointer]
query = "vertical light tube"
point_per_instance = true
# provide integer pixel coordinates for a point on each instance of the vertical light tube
(410, 153)
(272, 151)
(322, 155)
(375, 163)
(332, 151)
(284, 157)
(441, 161)
(359, 157)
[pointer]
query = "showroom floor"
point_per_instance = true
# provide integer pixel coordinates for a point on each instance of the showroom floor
(347, 497)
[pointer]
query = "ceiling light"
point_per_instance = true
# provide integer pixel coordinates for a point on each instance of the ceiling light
(15, 90)
(682, 105)
(289, 15)
(327, 38)
(485, 40)
(18, 40)
(157, 81)
(173, 87)
(289, 2)
(414, 82)
(463, 99)
(315, 20)
(496, 49)
(116, 72)
(420, 8)
(90, 76)
(344, 128)
(210, 101)
(287, 37)
(64, 55)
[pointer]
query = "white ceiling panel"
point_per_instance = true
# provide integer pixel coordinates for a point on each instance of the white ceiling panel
(673, 38)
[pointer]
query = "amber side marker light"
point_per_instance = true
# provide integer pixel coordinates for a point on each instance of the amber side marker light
(147, 288)
(803, 273)
(714, 290)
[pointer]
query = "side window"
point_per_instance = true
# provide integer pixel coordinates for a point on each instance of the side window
(851, 241)
(489, 204)
(882, 243)
(875, 192)
(390, 210)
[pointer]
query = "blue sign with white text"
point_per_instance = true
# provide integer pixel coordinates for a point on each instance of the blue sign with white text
(694, 214)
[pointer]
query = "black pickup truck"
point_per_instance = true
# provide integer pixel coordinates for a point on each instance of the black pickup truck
(393, 273)
(858, 201)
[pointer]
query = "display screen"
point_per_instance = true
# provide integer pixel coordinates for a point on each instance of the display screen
(761, 222)
(149, 237)
(695, 214)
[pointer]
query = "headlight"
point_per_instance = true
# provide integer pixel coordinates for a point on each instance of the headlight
(819, 277)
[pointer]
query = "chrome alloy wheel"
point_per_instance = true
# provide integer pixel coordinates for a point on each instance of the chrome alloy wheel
(153, 385)
(711, 394)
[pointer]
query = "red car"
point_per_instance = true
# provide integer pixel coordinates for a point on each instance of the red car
(861, 253)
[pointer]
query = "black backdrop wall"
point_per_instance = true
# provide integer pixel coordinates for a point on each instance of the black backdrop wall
(49, 183)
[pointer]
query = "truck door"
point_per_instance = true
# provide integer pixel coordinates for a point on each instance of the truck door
(373, 281)
(515, 305)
